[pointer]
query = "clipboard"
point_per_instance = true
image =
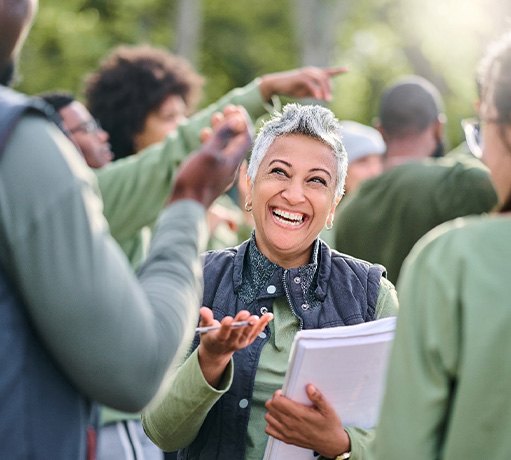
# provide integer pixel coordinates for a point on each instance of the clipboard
(348, 365)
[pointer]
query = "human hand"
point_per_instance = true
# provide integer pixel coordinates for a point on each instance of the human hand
(209, 171)
(219, 214)
(217, 347)
(315, 427)
(314, 82)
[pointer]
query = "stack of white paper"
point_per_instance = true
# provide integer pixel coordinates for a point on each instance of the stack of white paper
(347, 364)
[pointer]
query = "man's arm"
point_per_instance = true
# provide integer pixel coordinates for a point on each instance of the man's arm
(113, 336)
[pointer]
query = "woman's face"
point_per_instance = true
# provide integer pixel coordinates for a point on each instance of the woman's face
(292, 196)
(497, 147)
(161, 122)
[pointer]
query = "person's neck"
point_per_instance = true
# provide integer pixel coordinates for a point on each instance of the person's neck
(412, 148)
(287, 261)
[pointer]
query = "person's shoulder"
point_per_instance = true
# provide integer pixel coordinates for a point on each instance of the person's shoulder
(41, 164)
(457, 236)
(38, 143)
(442, 172)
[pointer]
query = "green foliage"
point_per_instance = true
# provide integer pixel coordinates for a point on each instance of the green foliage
(379, 40)
(244, 39)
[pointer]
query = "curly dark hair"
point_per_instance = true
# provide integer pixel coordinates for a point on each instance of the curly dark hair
(494, 81)
(132, 82)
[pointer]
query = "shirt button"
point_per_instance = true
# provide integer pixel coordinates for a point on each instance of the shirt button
(263, 310)
(305, 306)
(297, 280)
(243, 403)
(271, 289)
(262, 335)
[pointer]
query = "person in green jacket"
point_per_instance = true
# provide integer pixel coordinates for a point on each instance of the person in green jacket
(447, 392)
(386, 216)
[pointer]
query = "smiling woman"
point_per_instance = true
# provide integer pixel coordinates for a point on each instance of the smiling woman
(293, 196)
(283, 273)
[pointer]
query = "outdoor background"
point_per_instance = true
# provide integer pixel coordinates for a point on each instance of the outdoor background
(230, 42)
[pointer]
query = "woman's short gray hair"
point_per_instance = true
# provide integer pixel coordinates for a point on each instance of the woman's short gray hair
(309, 120)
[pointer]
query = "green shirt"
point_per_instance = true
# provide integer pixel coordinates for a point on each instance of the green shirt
(383, 219)
(447, 391)
(114, 337)
(174, 422)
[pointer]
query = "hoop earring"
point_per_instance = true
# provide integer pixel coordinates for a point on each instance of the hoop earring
(329, 225)
(248, 206)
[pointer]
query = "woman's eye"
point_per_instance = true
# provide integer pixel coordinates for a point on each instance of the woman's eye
(278, 171)
(318, 180)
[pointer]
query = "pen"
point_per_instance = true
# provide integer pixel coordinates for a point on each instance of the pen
(203, 329)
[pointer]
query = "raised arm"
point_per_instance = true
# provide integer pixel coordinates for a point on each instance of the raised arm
(113, 336)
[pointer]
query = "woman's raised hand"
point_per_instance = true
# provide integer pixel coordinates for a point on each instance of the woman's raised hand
(217, 347)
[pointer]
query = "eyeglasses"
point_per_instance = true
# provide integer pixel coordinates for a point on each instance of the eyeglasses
(473, 129)
(473, 135)
(88, 127)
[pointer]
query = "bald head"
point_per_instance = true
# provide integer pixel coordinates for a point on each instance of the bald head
(15, 19)
(409, 107)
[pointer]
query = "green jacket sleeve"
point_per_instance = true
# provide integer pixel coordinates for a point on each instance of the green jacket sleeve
(134, 189)
(174, 422)
(114, 337)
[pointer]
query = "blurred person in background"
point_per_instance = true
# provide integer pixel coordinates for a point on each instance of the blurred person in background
(85, 132)
(141, 93)
(386, 216)
(365, 147)
(447, 390)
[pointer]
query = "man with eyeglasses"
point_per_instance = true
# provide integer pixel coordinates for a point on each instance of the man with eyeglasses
(82, 128)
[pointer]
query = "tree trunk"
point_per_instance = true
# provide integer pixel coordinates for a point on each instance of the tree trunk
(189, 20)
(318, 22)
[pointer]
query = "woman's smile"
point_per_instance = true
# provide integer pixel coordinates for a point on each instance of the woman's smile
(288, 219)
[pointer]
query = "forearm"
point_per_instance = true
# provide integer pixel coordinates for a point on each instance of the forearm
(113, 338)
(173, 421)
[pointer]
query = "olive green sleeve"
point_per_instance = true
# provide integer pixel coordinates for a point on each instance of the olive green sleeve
(173, 420)
(112, 335)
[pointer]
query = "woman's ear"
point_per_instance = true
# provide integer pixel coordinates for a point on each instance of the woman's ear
(248, 183)
(331, 213)
(336, 202)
